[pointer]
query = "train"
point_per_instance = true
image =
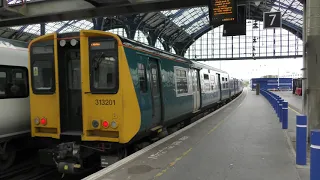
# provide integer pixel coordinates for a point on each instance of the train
(14, 103)
(94, 94)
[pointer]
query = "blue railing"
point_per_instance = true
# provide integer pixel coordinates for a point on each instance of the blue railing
(281, 109)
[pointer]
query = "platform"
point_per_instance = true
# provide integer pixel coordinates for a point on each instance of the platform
(295, 101)
(241, 141)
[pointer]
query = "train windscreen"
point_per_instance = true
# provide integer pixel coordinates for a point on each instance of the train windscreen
(42, 67)
(104, 65)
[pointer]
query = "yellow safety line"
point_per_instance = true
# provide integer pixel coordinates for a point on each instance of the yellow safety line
(186, 152)
(294, 111)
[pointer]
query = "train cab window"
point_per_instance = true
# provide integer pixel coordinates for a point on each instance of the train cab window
(42, 67)
(104, 73)
(103, 64)
(142, 77)
(13, 82)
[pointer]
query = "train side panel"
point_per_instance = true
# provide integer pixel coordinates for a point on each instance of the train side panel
(224, 86)
(210, 93)
(14, 106)
(175, 103)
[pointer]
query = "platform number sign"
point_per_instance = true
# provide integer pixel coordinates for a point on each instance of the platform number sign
(272, 20)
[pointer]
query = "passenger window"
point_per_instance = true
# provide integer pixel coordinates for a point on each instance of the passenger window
(3, 83)
(206, 76)
(13, 82)
(181, 81)
(154, 78)
(142, 77)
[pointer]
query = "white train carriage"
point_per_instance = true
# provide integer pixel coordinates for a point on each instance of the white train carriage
(14, 102)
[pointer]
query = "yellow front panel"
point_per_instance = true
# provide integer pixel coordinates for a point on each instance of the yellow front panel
(122, 107)
(46, 105)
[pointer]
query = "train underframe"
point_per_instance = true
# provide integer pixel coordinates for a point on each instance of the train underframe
(71, 155)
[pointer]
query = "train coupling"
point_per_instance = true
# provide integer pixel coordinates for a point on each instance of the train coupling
(68, 168)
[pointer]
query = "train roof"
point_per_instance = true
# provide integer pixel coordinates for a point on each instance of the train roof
(202, 65)
(155, 50)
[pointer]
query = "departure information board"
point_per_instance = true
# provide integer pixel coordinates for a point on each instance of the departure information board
(223, 11)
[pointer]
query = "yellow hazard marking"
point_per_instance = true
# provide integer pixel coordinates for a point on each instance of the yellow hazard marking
(66, 167)
(172, 163)
(294, 111)
(186, 152)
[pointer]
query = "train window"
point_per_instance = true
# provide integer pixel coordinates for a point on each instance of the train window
(206, 76)
(42, 75)
(222, 78)
(103, 65)
(13, 82)
(181, 81)
(104, 72)
(212, 79)
(142, 77)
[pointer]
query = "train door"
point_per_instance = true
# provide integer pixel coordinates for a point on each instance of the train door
(155, 91)
(196, 90)
(219, 86)
(70, 92)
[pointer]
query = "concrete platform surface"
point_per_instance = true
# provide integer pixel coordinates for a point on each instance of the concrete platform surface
(243, 141)
(294, 101)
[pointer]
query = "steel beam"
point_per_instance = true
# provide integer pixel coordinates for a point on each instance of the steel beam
(312, 63)
(73, 10)
(248, 57)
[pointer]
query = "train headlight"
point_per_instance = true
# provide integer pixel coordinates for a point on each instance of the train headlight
(62, 43)
(114, 124)
(73, 42)
(37, 121)
(95, 124)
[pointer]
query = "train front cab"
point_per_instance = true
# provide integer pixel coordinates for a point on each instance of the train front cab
(78, 94)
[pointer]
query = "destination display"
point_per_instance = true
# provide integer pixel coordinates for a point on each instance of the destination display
(42, 50)
(223, 11)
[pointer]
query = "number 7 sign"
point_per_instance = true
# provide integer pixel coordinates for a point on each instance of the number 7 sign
(272, 20)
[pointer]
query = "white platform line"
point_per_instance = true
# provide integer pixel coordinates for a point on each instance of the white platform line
(133, 156)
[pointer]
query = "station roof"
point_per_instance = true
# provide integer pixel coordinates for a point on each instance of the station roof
(178, 28)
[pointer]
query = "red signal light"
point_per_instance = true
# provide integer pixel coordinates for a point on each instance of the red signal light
(105, 124)
(43, 121)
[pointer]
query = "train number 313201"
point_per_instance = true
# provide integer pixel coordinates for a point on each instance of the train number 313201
(102, 102)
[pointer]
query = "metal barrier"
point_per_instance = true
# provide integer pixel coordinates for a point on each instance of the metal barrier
(279, 105)
(281, 108)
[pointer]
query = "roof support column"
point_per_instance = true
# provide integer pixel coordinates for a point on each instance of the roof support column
(166, 46)
(313, 63)
(42, 29)
(152, 38)
(180, 51)
(98, 23)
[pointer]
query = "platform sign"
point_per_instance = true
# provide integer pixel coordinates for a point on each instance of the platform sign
(272, 20)
(223, 11)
